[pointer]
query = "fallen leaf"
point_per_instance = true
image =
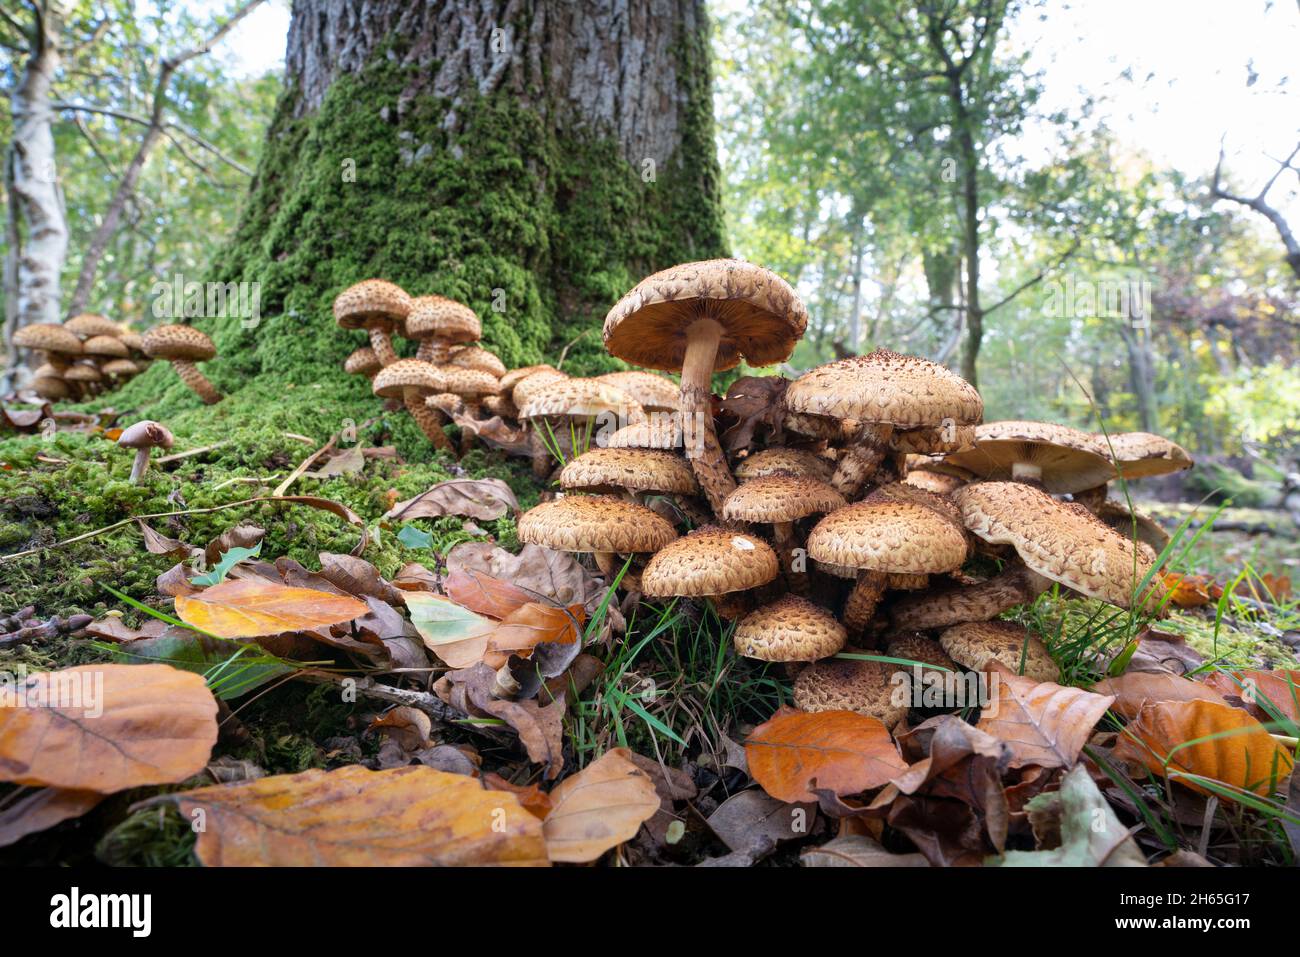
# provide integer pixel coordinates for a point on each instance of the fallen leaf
(1187, 591)
(1258, 689)
(156, 543)
(348, 462)
(248, 608)
(1044, 723)
(1167, 739)
(1137, 688)
(484, 594)
(1075, 827)
(42, 809)
(754, 402)
(441, 621)
(468, 498)
(496, 433)
(236, 669)
(840, 751)
(856, 850)
(533, 799)
(598, 808)
(752, 814)
(112, 628)
(353, 816)
(106, 727)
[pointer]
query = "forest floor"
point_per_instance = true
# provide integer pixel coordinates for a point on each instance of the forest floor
(1240, 612)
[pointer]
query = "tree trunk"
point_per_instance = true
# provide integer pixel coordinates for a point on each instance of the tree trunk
(37, 260)
(1142, 374)
(532, 158)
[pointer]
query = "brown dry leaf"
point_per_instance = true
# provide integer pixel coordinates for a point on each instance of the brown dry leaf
(532, 624)
(855, 850)
(247, 608)
(1253, 688)
(1187, 591)
(531, 797)
(353, 816)
(41, 809)
(754, 402)
(112, 628)
(1135, 689)
(107, 728)
(156, 543)
(467, 498)
(598, 808)
(497, 434)
(540, 728)
(484, 594)
(1044, 723)
(839, 751)
(1240, 752)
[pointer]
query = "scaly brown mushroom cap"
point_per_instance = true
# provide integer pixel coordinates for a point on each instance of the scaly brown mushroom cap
(789, 629)
(709, 561)
(362, 361)
(941, 439)
(662, 431)
(585, 523)
(888, 536)
(370, 302)
(470, 384)
(479, 359)
(1142, 454)
(530, 385)
(87, 325)
(654, 392)
(514, 376)
(500, 405)
(794, 461)
(578, 399)
(83, 371)
(437, 317)
(105, 346)
(902, 492)
(48, 337)
(1146, 528)
(132, 340)
(914, 646)
(761, 316)
(1058, 540)
(934, 482)
(446, 402)
(639, 470)
(48, 383)
(119, 367)
(886, 388)
(178, 342)
(392, 381)
(1061, 458)
(780, 497)
(847, 684)
(976, 643)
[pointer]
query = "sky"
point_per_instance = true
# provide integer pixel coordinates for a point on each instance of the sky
(1173, 75)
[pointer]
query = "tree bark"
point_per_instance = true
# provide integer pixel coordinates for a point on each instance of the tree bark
(531, 158)
(36, 261)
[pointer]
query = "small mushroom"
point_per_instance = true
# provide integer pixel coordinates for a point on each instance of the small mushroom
(85, 375)
(700, 318)
(654, 392)
(850, 684)
(789, 629)
(414, 380)
(88, 325)
(881, 536)
(48, 383)
(568, 411)
(471, 386)
(914, 646)
(955, 603)
(1056, 457)
(710, 562)
(56, 344)
(377, 306)
(663, 432)
(479, 359)
(1135, 455)
(779, 459)
(183, 346)
(975, 644)
(781, 499)
(629, 472)
(438, 323)
(362, 361)
(143, 436)
(604, 527)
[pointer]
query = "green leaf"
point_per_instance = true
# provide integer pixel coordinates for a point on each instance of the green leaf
(441, 621)
(413, 537)
(228, 561)
(232, 669)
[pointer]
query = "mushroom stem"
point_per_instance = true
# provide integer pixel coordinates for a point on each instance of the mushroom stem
(1093, 498)
(433, 350)
(540, 455)
(505, 685)
(429, 420)
(382, 343)
(784, 542)
(139, 466)
(198, 383)
(1027, 472)
(860, 606)
(958, 604)
(698, 434)
(473, 410)
(859, 461)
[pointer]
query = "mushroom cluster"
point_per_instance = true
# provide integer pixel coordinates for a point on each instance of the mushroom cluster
(81, 357)
(851, 524)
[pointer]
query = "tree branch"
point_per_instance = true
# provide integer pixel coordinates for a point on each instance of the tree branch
(1259, 203)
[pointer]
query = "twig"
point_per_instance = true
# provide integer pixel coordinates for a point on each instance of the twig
(305, 464)
(430, 704)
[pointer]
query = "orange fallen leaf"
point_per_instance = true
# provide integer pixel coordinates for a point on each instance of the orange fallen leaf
(41, 809)
(484, 594)
(1044, 723)
(1258, 688)
(251, 607)
(1187, 591)
(1135, 689)
(598, 808)
(532, 798)
(840, 751)
(1167, 739)
(353, 816)
(107, 728)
